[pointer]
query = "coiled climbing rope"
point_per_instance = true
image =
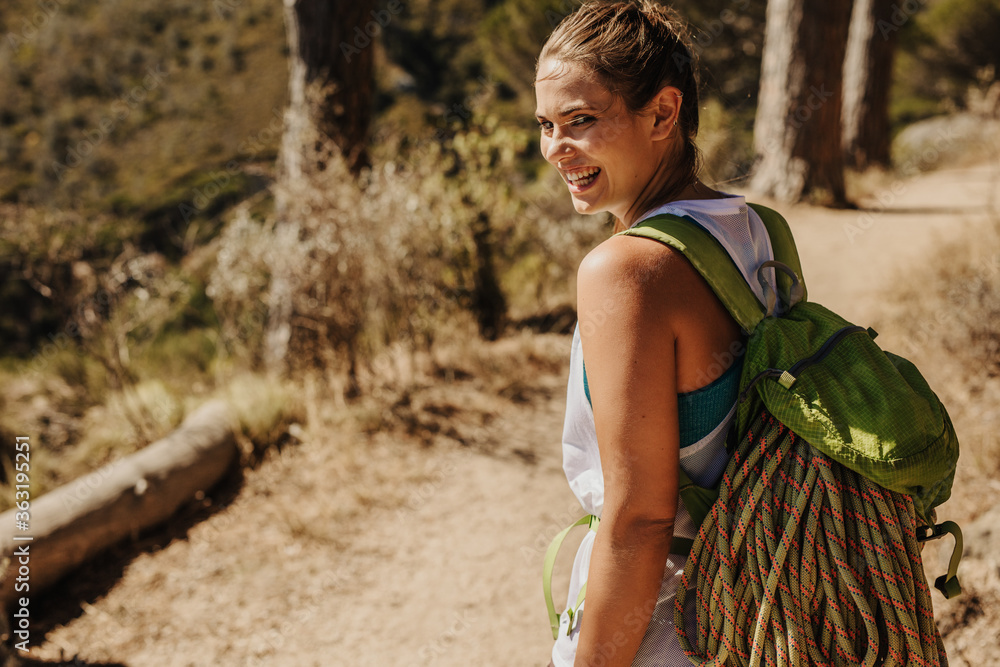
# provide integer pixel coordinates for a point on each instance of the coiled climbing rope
(804, 562)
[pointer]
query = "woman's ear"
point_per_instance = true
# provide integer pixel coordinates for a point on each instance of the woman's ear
(665, 108)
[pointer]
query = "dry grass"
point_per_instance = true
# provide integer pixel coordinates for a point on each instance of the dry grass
(393, 262)
(73, 434)
(950, 313)
(447, 397)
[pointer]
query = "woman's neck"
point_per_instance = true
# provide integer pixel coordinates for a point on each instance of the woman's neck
(698, 190)
(693, 191)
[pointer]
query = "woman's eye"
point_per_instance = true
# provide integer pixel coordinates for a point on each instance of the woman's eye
(547, 126)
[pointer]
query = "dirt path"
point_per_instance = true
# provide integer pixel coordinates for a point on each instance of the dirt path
(850, 257)
(451, 574)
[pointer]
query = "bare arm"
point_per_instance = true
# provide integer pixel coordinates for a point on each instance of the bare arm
(630, 358)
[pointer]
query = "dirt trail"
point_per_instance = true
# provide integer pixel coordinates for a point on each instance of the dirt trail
(851, 257)
(452, 575)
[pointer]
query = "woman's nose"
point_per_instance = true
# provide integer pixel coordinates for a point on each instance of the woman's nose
(557, 147)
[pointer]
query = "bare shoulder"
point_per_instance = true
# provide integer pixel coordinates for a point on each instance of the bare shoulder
(636, 264)
(632, 289)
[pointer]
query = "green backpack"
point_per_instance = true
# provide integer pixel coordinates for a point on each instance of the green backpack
(840, 453)
(812, 378)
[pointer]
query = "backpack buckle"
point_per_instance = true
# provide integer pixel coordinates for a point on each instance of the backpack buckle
(773, 301)
(933, 532)
(928, 533)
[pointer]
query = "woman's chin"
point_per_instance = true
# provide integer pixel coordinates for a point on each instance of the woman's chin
(585, 207)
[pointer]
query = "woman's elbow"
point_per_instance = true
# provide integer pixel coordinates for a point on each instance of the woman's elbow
(639, 530)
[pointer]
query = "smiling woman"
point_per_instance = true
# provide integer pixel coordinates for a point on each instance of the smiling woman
(605, 75)
(617, 106)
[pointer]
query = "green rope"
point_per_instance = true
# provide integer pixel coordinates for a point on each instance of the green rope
(801, 561)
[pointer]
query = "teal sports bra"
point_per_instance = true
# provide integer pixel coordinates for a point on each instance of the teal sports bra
(701, 410)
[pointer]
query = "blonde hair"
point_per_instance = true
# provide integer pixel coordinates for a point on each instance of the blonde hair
(636, 48)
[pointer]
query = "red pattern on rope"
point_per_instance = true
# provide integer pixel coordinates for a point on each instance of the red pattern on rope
(736, 558)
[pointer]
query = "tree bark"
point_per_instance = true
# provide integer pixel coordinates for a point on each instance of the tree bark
(331, 62)
(798, 125)
(488, 301)
(867, 79)
(331, 94)
(71, 524)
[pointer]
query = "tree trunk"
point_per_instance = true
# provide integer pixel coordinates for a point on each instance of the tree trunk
(331, 92)
(73, 523)
(488, 301)
(867, 79)
(331, 62)
(798, 125)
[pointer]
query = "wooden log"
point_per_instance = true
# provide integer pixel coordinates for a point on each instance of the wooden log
(71, 524)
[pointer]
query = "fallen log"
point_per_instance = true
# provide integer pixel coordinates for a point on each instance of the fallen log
(74, 522)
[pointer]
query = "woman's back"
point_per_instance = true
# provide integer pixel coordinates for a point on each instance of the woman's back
(664, 277)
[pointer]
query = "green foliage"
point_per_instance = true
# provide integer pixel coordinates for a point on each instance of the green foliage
(432, 40)
(725, 139)
(728, 39)
(189, 212)
(944, 53)
(82, 373)
(510, 37)
(966, 34)
(184, 346)
(95, 111)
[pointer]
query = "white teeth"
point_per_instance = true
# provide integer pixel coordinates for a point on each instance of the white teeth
(582, 174)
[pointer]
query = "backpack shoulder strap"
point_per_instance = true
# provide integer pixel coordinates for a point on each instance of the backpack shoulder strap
(715, 265)
(710, 259)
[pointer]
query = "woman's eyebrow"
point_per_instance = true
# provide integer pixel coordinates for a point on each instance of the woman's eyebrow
(566, 112)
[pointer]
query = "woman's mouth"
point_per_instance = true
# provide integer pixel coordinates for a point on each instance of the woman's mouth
(580, 179)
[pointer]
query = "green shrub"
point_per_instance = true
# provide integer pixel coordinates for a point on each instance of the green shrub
(943, 52)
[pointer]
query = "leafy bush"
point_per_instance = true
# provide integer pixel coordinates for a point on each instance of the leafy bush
(966, 34)
(945, 51)
(49, 261)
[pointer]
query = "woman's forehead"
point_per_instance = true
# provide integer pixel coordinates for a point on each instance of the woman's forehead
(563, 86)
(554, 68)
